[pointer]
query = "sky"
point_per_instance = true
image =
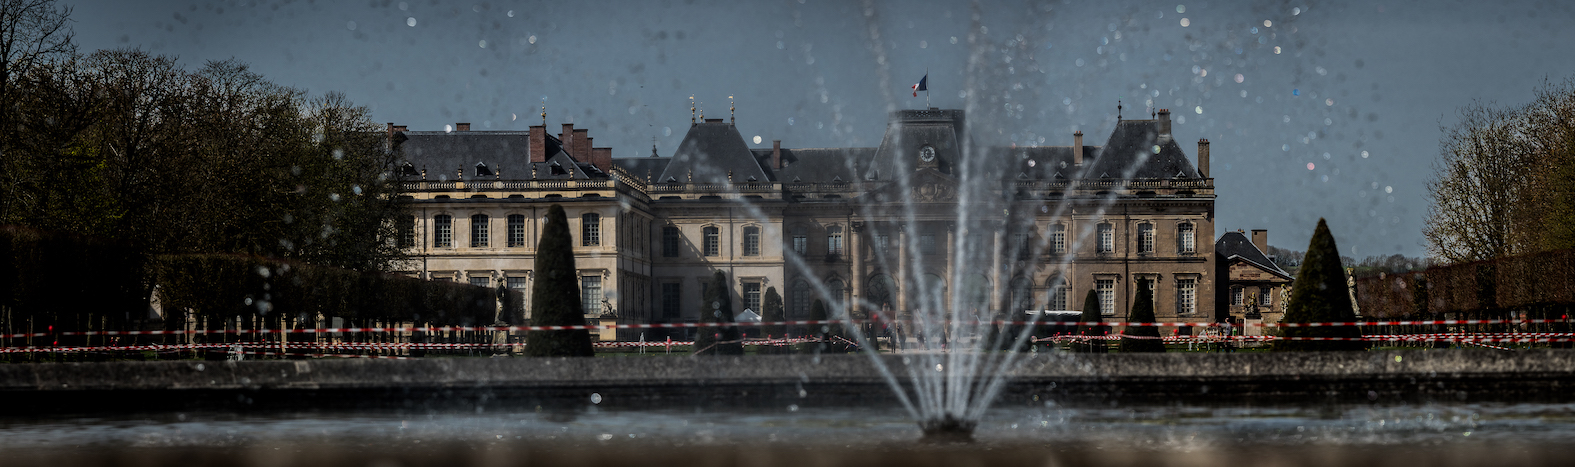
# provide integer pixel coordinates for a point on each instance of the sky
(1314, 109)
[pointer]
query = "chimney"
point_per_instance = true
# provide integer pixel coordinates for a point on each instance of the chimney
(602, 159)
(399, 128)
(538, 143)
(390, 131)
(1164, 124)
(582, 145)
(1260, 239)
(461, 127)
(1203, 158)
(776, 154)
(1077, 148)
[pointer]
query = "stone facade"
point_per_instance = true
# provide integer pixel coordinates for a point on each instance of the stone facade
(869, 230)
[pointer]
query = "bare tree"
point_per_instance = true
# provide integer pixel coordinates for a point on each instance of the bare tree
(32, 33)
(1479, 185)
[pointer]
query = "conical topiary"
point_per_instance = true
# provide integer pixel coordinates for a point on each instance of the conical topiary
(1091, 314)
(771, 312)
(1320, 295)
(817, 312)
(717, 307)
(1142, 338)
(555, 297)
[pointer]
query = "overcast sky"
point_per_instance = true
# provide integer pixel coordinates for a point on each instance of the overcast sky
(1313, 108)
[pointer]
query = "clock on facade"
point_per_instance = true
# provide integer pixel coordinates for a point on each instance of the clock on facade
(927, 154)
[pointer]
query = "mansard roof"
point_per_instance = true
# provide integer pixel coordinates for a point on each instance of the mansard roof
(643, 167)
(507, 153)
(1237, 245)
(821, 165)
(1132, 148)
(710, 152)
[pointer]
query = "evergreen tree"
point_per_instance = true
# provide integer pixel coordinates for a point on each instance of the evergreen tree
(1142, 312)
(1320, 295)
(817, 312)
(1091, 314)
(771, 312)
(555, 297)
(717, 307)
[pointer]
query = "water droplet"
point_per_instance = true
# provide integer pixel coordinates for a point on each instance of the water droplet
(954, 39)
(667, 131)
(448, 128)
(1198, 109)
(483, 43)
(1181, 8)
(1389, 189)
(596, 398)
(411, 21)
(1240, 78)
(350, 25)
(404, 6)
(604, 436)
(938, 367)
(1310, 166)
(1185, 22)
(1268, 24)
(792, 407)
(757, 139)
(1364, 154)
(1276, 50)
(924, 44)
(511, 13)
(1296, 92)
(1296, 11)
(532, 39)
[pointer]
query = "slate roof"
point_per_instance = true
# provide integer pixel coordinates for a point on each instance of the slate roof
(1129, 143)
(710, 151)
(642, 167)
(443, 152)
(821, 164)
(1236, 244)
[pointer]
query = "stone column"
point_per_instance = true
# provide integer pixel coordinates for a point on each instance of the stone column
(903, 284)
(853, 250)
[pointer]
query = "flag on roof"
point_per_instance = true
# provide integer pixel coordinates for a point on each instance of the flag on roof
(921, 86)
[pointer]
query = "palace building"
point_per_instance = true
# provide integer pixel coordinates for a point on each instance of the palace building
(874, 227)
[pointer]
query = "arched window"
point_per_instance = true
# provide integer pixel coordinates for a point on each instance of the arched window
(834, 240)
(516, 230)
(1022, 298)
(751, 241)
(713, 238)
(882, 292)
(1057, 294)
(802, 295)
(836, 288)
(591, 230)
(443, 231)
(478, 231)
(1186, 238)
(1146, 238)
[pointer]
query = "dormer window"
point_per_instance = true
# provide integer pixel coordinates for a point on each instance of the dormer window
(558, 169)
(482, 170)
(753, 179)
(408, 170)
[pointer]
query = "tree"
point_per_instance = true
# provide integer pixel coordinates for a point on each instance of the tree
(1320, 295)
(717, 307)
(817, 312)
(771, 312)
(1142, 338)
(33, 33)
(1505, 181)
(1091, 314)
(555, 297)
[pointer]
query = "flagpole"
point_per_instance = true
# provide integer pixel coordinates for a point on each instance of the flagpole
(926, 89)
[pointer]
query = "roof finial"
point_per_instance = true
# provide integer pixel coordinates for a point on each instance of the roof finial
(653, 147)
(544, 112)
(691, 109)
(731, 106)
(1118, 109)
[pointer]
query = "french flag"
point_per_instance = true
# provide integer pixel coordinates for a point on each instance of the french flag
(921, 86)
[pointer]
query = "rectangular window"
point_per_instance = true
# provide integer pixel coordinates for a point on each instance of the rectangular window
(1145, 238)
(800, 244)
(516, 230)
(591, 294)
(834, 241)
(751, 241)
(1236, 296)
(1263, 297)
(1058, 239)
(882, 243)
(1107, 296)
(480, 282)
(713, 241)
(478, 231)
(927, 244)
(1186, 296)
(1186, 242)
(1107, 238)
(443, 231)
(591, 230)
(1020, 242)
(670, 302)
(670, 241)
(407, 231)
(752, 296)
(516, 283)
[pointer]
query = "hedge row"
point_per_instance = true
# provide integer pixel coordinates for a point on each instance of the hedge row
(73, 283)
(1532, 280)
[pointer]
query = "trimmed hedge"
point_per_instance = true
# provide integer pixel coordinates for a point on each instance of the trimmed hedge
(1526, 281)
(68, 282)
